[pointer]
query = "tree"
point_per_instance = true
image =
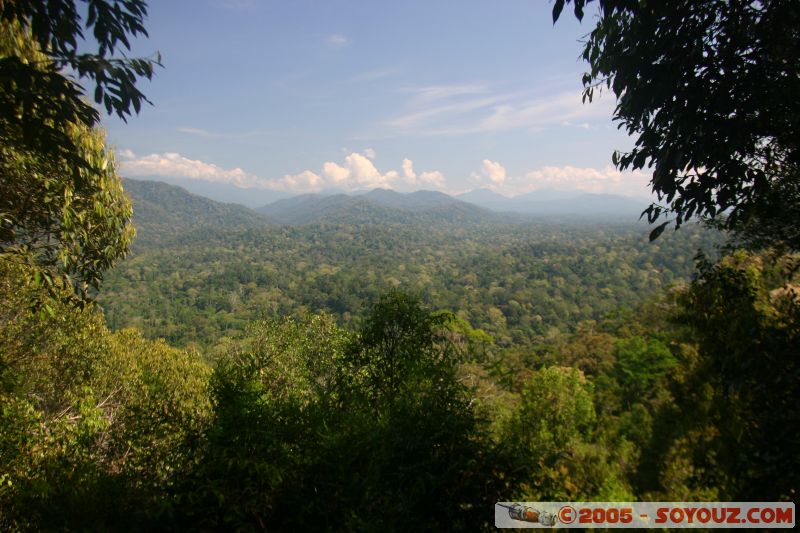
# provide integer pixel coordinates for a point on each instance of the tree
(303, 437)
(402, 352)
(550, 435)
(709, 89)
(89, 419)
(640, 364)
(736, 399)
(62, 207)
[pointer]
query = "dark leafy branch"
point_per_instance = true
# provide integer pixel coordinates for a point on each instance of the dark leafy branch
(37, 98)
(708, 89)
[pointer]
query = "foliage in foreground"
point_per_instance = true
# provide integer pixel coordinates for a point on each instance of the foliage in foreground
(411, 420)
(92, 423)
(316, 428)
(64, 211)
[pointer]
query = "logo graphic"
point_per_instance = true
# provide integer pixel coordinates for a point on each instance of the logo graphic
(639, 515)
(517, 511)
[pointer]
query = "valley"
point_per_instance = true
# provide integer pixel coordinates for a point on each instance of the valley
(201, 270)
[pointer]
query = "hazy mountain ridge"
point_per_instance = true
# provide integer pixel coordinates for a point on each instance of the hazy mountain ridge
(161, 209)
(415, 201)
(548, 202)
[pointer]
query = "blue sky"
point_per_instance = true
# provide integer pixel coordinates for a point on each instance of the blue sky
(298, 96)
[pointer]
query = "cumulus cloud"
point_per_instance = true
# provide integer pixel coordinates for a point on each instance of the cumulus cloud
(491, 170)
(369, 152)
(408, 172)
(432, 178)
(605, 180)
(171, 164)
(305, 181)
(595, 180)
(357, 171)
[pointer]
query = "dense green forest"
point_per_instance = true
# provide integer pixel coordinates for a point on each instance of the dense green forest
(520, 281)
(370, 369)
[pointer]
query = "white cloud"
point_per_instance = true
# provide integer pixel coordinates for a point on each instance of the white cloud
(172, 164)
(357, 171)
(305, 181)
(432, 178)
(604, 180)
(369, 152)
(408, 172)
(429, 119)
(336, 175)
(493, 171)
(337, 40)
(196, 131)
(564, 107)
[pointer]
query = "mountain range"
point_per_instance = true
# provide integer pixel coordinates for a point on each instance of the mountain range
(553, 202)
(160, 208)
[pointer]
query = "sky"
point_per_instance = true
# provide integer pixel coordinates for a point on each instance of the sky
(302, 96)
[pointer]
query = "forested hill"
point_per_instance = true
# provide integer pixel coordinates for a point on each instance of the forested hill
(161, 211)
(379, 206)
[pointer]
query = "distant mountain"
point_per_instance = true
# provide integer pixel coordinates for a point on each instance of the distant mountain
(160, 209)
(545, 195)
(601, 204)
(415, 201)
(224, 192)
(307, 208)
(562, 203)
(163, 210)
(389, 198)
(432, 199)
(486, 198)
(376, 206)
